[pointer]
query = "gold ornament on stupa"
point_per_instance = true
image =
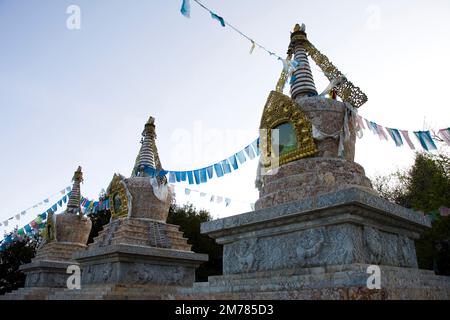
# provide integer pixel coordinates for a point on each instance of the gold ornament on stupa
(293, 138)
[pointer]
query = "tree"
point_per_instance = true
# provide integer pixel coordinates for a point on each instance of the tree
(99, 220)
(424, 187)
(11, 258)
(189, 220)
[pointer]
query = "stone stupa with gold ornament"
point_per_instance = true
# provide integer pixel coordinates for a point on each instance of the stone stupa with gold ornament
(63, 235)
(137, 254)
(319, 230)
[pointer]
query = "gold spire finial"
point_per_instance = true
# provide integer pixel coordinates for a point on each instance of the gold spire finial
(299, 28)
(149, 127)
(78, 175)
(151, 120)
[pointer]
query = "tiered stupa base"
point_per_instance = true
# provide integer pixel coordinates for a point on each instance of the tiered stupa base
(47, 272)
(306, 178)
(49, 267)
(142, 232)
(135, 258)
(319, 248)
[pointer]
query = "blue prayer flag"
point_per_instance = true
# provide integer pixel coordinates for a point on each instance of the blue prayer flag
(172, 178)
(210, 172)
(233, 162)
(190, 177)
(186, 8)
(241, 157)
(425, 140)
(218, 169)
(218, 18)
(255, 145)
(226, 166)
(395, 135)
(163, 173)
(251, 154)
(373, 127)
(203, 176)
(150, 171)
(27, 228)
(197, 176)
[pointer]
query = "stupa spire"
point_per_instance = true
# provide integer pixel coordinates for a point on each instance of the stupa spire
(146, 157)
(73, 205)
(303, 82)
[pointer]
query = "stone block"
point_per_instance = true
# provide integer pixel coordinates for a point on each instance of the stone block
(138, 265)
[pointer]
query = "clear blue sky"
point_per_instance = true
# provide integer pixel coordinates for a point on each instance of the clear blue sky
(81, 97)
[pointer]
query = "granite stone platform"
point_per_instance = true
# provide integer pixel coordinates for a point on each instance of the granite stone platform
(320, 248)
(134, 264)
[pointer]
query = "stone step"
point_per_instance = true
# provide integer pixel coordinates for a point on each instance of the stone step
(30, 293)
(60, 255)
(112, 292)
(317, 281)
(144, 232)
(127, 238)
(130, 240)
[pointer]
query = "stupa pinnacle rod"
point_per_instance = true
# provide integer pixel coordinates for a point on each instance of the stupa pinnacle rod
(303, 84)
(73, 205)
(147, 157)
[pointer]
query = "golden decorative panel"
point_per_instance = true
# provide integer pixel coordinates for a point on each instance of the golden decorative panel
(49, 231)
(346, 90)
(118, 198)
(278, 111)
(283, 77)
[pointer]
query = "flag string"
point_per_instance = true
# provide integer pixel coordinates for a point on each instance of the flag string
(35, 206)
(259, 45)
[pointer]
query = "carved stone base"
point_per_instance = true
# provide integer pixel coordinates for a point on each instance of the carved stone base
(344, 282)
(133, 251)
(138, 265)
(319, 248)
(49, 266)
(343, 227)
(44, 273)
